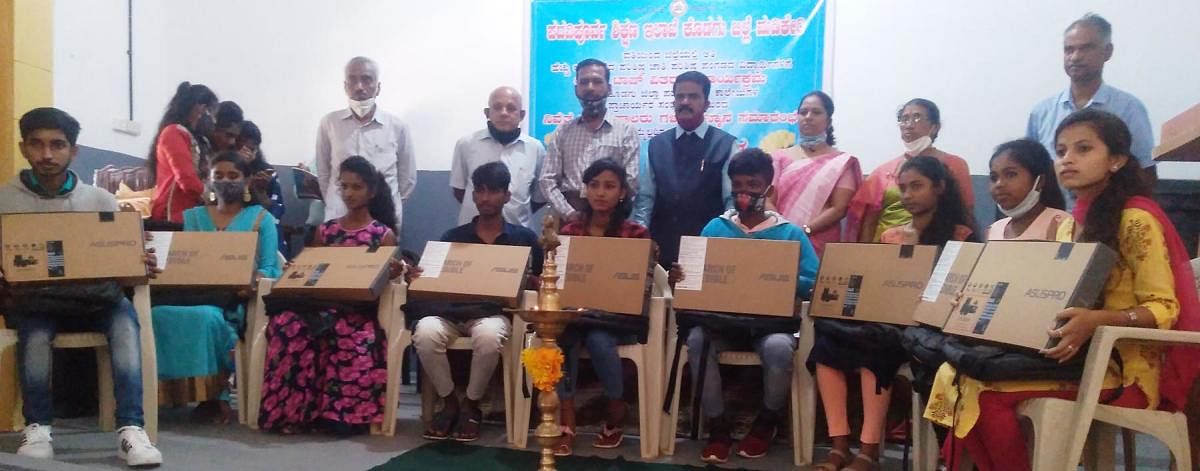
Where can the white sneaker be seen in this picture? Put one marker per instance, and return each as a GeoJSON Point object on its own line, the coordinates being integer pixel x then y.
{"type": "Point", "coordinates": [37, 442]}
{"type": "Point", "coordinates": [135, 448]}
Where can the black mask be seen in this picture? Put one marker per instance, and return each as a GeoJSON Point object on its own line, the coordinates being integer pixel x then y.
{"type": "Point", "coordinates": [505, 137]}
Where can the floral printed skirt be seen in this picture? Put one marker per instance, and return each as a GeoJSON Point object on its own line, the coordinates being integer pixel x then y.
{"type": "Point", "coordinates": [336, 373]}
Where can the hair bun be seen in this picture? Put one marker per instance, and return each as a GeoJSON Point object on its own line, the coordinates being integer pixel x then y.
{"type": "Point", "coordinates": [183, 86]}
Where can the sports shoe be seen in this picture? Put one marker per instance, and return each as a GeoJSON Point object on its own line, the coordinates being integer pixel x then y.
{"type": "Point", "coordinates": [719, 442]}
{"type": "Point", "coordinates": [37, 442]}
{"type": "Point", "coordinates": [756, 443]}
{"type": "Point", "coordinates": [135, 448]}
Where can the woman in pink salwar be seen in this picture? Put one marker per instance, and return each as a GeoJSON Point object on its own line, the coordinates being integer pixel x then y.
{"type": "Point", "coordinates": [815, 181]}
{"type": "Point", "coordinates": [876, 207]}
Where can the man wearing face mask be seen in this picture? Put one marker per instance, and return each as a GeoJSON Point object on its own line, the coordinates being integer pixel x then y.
{"type": "Point", "coordinates": [363, 129]}
{"type": "Point", "coordinates": [501, 141]}
{"type": "Point", "coordinates": [685, 184]}
{"type": "Point", "coordinates": [594, 135]}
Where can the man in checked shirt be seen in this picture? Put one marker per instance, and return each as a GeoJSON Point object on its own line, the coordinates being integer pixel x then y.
{"type": "Point", "coordinates": [594, 135]}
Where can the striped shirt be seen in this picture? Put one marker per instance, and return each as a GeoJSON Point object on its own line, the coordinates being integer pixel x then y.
{"type": "Point", "coordinates": [573, 147]}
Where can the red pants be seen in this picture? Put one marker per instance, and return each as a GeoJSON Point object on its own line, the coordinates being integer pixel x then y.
{"type": "Point", "coordinates": [997, 442]}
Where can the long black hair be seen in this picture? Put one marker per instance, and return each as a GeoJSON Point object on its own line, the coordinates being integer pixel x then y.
{"type": "Point", "coordinates": [624, 206]}
{"type": "Point", "coordinates": [827, 102]}
{"type": "Point", "coordinates": [250, 132]}
{"type": "Point", "coordinates": [1103, 220]}
{"type": "Point", "coordinates": [950, 212]}
{"type": "Point", "coordinates": [187, 96]}
{"type": "Point", "coordinates": [1032, 156]}
{"type": "Point", "coordinates": [381, 207]}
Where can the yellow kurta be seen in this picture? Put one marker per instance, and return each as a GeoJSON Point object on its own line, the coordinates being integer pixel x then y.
{"type": "Point", "coordinates": [1142, 277]}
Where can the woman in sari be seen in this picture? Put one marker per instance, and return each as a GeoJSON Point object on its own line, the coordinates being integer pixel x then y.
{"type": "Point", "coordinates": [876, 206]}
{"type": "Point", "coordinates": [815, 181]}
{"type": "Point", "coordinates": [194, 341]}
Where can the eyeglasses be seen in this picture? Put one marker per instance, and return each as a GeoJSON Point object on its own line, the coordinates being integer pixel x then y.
{"type": "Point", "coordinates": [910, 119]}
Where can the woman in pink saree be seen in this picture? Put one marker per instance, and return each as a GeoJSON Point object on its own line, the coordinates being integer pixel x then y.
{"type": "Point", "coordinates": [815, 181]}
{"type": "Point", "coordinates": [876, 206]}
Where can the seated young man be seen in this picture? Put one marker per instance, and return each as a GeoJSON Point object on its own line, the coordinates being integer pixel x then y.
{"type": "Point", "coordinates": [37, 314]}
{"type": "Point", "coordinates": [487, 326]}
{"type": "Point", "coordinates": [750, 173]}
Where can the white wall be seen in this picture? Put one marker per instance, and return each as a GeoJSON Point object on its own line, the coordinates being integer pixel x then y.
{"type": "Point", "coordinates": [987, 63]}
{"type": "Point", "coordinates": [984, 63]}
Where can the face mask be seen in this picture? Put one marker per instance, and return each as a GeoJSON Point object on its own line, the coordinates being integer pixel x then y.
{"type": "Point", "coordinates": [747, 202]}
{"type": "Point", "coordinates": [360, 108]}
{"type": "Point", "coordinates": [1031, 200]}
{"type": "Point", "coordinates": [917, 146]}
{"type": "Point", "coordinates": [504, 137]}
{"type": "Point", "coordinates": [229, 191]}
{"type": "Point", "coordinates": [811, 142]}
{"type": "Point", "coordinates": [593, 108]}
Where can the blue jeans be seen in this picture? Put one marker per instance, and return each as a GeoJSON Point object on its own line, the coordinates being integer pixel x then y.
{"type": "Point", "coordinates": [602, 345]}
{"type": "Point", "coordinates": [775, 351]}
{"type": "Point", "coordinates": [35, 334]}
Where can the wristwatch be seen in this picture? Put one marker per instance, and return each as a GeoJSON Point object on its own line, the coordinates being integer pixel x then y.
{"type": "Point", "coordinates": [807, 230]}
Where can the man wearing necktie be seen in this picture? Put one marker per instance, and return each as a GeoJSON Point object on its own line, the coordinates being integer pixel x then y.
{"type": "Point", "coordinates": [684, 184]}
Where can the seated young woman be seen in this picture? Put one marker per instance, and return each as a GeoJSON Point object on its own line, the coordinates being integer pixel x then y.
{"type": "Point", "coordinates": [1150, 287]}
{"type": "Point", "coordinates": [326, 362]}
{"type": "Point", "coordinates": [195, 341]}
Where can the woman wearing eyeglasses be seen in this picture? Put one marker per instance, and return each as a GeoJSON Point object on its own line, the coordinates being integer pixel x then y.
{"type": "Point", "coordinates": [876, 206]}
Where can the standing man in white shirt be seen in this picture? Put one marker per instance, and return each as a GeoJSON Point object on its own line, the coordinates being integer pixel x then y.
{"type": "Point", "coordinates": [364, 129]}
{"type": "Point", "coordinates": [501, 141]}
{"type": "Point", "coordinates": [594, 135]}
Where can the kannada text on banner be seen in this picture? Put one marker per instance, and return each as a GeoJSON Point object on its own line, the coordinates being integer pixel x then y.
{"type": "Point", "coordinates": [761, 55]}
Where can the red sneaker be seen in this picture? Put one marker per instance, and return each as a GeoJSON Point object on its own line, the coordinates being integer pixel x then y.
{"type": "Point", "coordinates": [758, 441]}
{"type": "Point", "coordinates": [717, 450]}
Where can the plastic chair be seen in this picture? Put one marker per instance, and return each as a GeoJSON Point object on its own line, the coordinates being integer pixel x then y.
{"type": "Point", "coordinates": [108, 403]}
{"type": "Point", "coordinates": [925, 449]}
{"type": "Point", "coordinates": [1054, 419]}
{"type": "Point", "coordinates": [390, 320]}
{"type": "Point", "coordinates": [648, 358]}
{"type": "Point", "coordinates": [256, 325]}
{"type": "Point", "coordinates": [803, 402]}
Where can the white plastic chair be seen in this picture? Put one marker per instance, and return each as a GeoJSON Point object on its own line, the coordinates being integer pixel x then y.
{"type": "Point", "coordinates": [1054, 419]}
{"type": "Point", "coordinates": [390, 320]}
{"type": "Point", "coordinates": [509, 353]}
{"type": "Point", "coordinates": [247, 386]}
{"type": "Point", "coordinates": [803, 397]}
{"type": "Point", "coordinates": [925, 449]}
{"type": "Point", "coordinates": [107, 409]}
{"type": "Point", "coordinates": [647, 357]}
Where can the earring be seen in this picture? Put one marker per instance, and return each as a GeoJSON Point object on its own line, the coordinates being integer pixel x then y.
{"type": "Point", "coordinates": [212, 197]}
{"type": "Point", "coordinates": [246, 194]}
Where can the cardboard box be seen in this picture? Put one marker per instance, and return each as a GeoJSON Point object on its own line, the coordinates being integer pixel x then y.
{"type": "Point", "coordinates": [205, 259]}
{"type": "Point", "coordinates": [604, 273]}
{"type": "Point", "coordinates": [1018, 287]}
{"type": "Point", "coordinates": [872, 282]}
{"type": "Point", "coordinates": [949, 276]}
{"type": "Point", "coordinates": [458, 271]}
{"type": "Point", "coordinates": [740, 276]}
{"type": "Point", "coordinates": [39, 248]}
{"type": "Point", "coordinates": [337, 273]}
{"type": "Point", "coordinates": [1180, 137]}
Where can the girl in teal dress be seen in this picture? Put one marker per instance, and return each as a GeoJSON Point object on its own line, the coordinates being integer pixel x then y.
{"type": "Point", "coordinates": [195, 341]}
